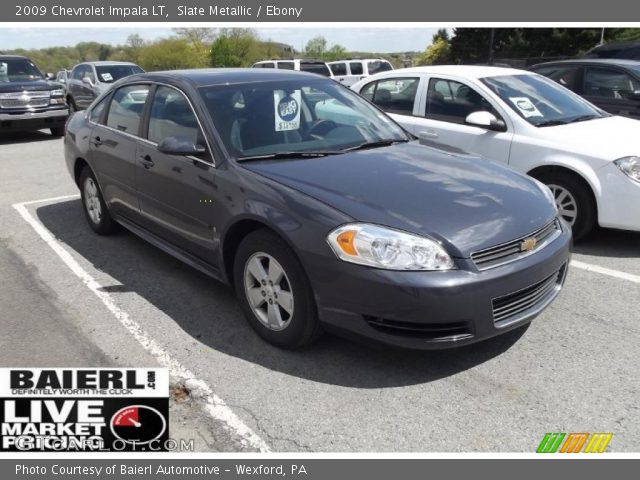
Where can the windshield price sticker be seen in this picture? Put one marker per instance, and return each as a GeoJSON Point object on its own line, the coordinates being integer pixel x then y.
{"type": "Point", "coordinates": [107, 77]}
{"type": "Point", "coordinates": [287, 110]}
{"type": "Point", "coordinates": [84, 409]}
{"type": "Point", "coordinates": [526, 107]}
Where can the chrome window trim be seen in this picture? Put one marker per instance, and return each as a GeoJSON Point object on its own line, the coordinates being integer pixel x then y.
{"type": "Point", "coordinates": [145, 140]}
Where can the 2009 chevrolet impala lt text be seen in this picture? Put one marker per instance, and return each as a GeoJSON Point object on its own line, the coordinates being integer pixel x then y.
{"type": "Point", "coordinates": [321, 211]}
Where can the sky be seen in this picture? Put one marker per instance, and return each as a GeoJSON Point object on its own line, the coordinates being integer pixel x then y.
{"type": "Point", "coordinates": [371, 39]}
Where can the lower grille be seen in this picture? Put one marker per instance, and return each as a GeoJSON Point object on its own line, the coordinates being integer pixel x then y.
{"type": "Point", "coordinates": [509, 306]}
{"type": "Point", "coordinates": [432, 331]}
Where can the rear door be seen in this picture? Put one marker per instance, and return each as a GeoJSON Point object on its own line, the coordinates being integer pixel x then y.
{"type": "Point", "coordinates": [613, 90]}
{"type": "Point", "coordinates": [114, 138]}
{"type": "Point", "coordinates": [176, 192]}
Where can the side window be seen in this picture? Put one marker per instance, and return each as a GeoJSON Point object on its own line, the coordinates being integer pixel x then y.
{"type": "Point", "coordinates": [125, 110]}
{"type": "Point", "coordinates": [96, 112]}
{"type": "Point", "coordinates": [77, 73]}
{"type": "Point", "coordinates": [451, 101]}
{"type": "Point", "coordinates": [171, 116]}
{"type": "Point", "coordinates": [286, 65]}
{"type": "Point", "coordinates": [356, 68]}
{"type": "Point", "coordinates": [378, 66]}
{"type": "Point", "coordinates": [396, 95]}
{"type": "Point", "coordinates": [567, 76]}
{"type": "Point", "coordinates": [338, 68]}
{"type": "Point", "coordinates": [268, 65]}
{"type": "Point", "coordinates": [368, 90]}
{"type": "Point", "coordinates": [608, 83]}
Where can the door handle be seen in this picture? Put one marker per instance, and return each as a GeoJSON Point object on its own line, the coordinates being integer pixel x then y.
{"type": "Point", "coordinates": [146, 161]}
{"type": "Point", "coordinates": [427, 134]}
{"type": "Point", "coordinates": [96, 141]}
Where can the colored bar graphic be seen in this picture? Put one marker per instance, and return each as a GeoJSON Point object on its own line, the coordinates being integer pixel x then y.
{"type": "Point", "coordinates": [574, 442]}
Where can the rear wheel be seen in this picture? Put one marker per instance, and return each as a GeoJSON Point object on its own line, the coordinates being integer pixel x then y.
{"type": "Point", "coordinates": [95, 209]}
{"type": "Point", "coordinates": [274, 292]}
{"type": "Point", "coordinates": [574, 201]}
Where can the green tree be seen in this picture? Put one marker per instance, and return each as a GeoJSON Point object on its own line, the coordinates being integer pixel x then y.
{"type": "Point", "coordinates": [438, 53]}
{"type": "Point", "coordinates": [316, 47]}
{"type": "Point", "coordinates": [168, 54]}
{"type": "Point", "coordinates": [336, 52]}
{"type": "Point", "coordinates": [235, 47]}
{"type": "Point", "coordinates": [200, 39]}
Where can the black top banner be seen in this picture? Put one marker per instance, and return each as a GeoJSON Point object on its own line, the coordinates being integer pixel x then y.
{"type": "Point", "coordinates": [317, 11]}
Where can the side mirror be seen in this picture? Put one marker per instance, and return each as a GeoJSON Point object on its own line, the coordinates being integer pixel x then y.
{"type": "Point", "coordinates": [634, 95]}
{"type": "Point", "coordinates": [485, 120]}
{"type": "Point", "coordinates": [180, 146]}
{"type": "Point", "coordinates": [50, 76]}
{"type": "Point", "coordinates": [88, 81]}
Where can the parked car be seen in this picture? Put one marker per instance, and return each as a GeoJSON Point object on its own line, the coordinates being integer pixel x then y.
{"type": "Point", "coordinates": [320, 222]}
{"type": "Point", "coordinates": [350, 71]}
{"type": "Point", "coordinates": [63, 77]}
{"type": "Point", "coordinates": [589, 159]}
{"type": "Point", "coordinates": [299, 64]}
{"type": "Point", "coordinates": [88, 80]}
{"type": "Point", "coordinates": [28, 99]}
{"type": "Point", "coordinates": [613, 85]}
{"type": "Point", "coordinates": [619, 50]}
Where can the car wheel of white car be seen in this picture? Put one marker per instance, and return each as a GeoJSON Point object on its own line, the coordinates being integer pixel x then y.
{"type": "Point", "coordinates": [574, 201]}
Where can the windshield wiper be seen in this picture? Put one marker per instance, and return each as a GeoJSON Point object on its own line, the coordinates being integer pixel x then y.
{"type": "Point", "coordinates": [551, 123]}
{"type": "Point", "coordinates": [376, 144]}
{"type": "Point", "coordinates": [292, 155]}
{"type": "Point", "coordinates": [583, 118]}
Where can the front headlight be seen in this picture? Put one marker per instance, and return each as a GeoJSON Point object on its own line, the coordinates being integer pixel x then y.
{"type": "Point", "coordinates": [57, 93]}
{"type": "Point", "coordinates": [630, 166]}
{"type": "Point", "coordinates": [382, 247]}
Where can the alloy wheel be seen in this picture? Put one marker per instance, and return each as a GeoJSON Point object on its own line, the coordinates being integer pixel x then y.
{"type": "Point", "coordinates": [92, 201]}
{"type": "Point", "coordinates": [566, 203]}
{"type": "Point", "coordinates": [268, 291]}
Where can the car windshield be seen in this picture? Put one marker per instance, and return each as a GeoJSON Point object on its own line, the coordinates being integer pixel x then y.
{"type": "Point", "coordinates": [540, 101]}
{"type": "Point", "coordinates": [377, 66]}
{"type": "Point", "coordinates": [111, 73]}
{"type": "Point", "coordinates": [303, 116]}
{"type": "Point", "coordinates": [18, 70]}
{"type": "Point", "coordinates": [319, 68]}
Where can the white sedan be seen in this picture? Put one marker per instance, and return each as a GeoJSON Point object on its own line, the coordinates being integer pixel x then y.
{"type": "Point", "coordinates": [588, 158]}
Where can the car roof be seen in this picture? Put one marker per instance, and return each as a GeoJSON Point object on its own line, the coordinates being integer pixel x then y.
{"type": "Point", "coordinates": [360, 60]}
{"type": "Point", "coordinates": [292, 60]}
{"type": "Point", "coordinates": [469, 71]}
{"type": "Point", "coordinates": [106, 62]}
{"type": "Point", "coordinates": [621, 62]}
{"type": "Point", "coordinates": [15, 56]}
{"type": "Point", "coordinates": [217, 76]}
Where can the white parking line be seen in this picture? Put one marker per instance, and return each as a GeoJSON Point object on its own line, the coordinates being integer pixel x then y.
{"type": "Point", "coordinates": [606, 271]}
{"type": "Point", "coordinates": [215, 406]}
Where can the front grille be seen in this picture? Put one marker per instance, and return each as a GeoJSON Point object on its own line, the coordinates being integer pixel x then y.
{"type": "Point", "coordinates": [430, 331]}
{"type": "Point", "coordinates": [510, 251]}
{"type": "Point", "coordinates": [509, 306]}
{"type": "Point", "coordinates": [17, 100]}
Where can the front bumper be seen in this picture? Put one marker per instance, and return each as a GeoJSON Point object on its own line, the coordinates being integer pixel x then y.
{"type": "Point", "coordinates": [430, 310]}
{"type": "Point", "coordinates": [33, 120]}
{"type": "Point", "coordinates": [619, 202]}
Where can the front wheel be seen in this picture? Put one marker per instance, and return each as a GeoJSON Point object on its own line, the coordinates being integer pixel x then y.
{"type": "Point", "coordinates": [574, 201]}
{"type": "Point", "coordinates": [274, 292]}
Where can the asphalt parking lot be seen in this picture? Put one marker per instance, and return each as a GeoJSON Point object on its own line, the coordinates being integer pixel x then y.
{"type": "Point", "coordinates": [71, 298]}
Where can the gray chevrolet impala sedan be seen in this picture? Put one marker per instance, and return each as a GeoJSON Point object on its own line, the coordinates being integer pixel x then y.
{"type": "Point", "coordinates": [321, 211]}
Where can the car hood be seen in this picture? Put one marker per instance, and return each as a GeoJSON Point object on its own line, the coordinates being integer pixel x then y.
{"type": "Point", "coordinates": [607, 138]}
{"type": "Point", "coordinates": [467, 202]}
{"type": "Point", "coordinates": [29, 86]}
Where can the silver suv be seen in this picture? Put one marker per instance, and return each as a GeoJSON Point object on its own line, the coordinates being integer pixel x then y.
{"type": "Point", "coordinates": [88, 80]}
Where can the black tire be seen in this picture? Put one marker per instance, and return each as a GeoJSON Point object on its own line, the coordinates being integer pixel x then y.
{"type": "Point", "coordinates": [303, 327]}
{"type": "Point", "coordinates": [106, 225]}
{"type": "Point", "coordinates": [57, 131]}
{"type": "Point", "coordinates": [586, 214]}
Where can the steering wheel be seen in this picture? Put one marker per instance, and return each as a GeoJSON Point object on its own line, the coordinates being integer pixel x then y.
{"type": "Point", "coordinates": [320, 128]}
